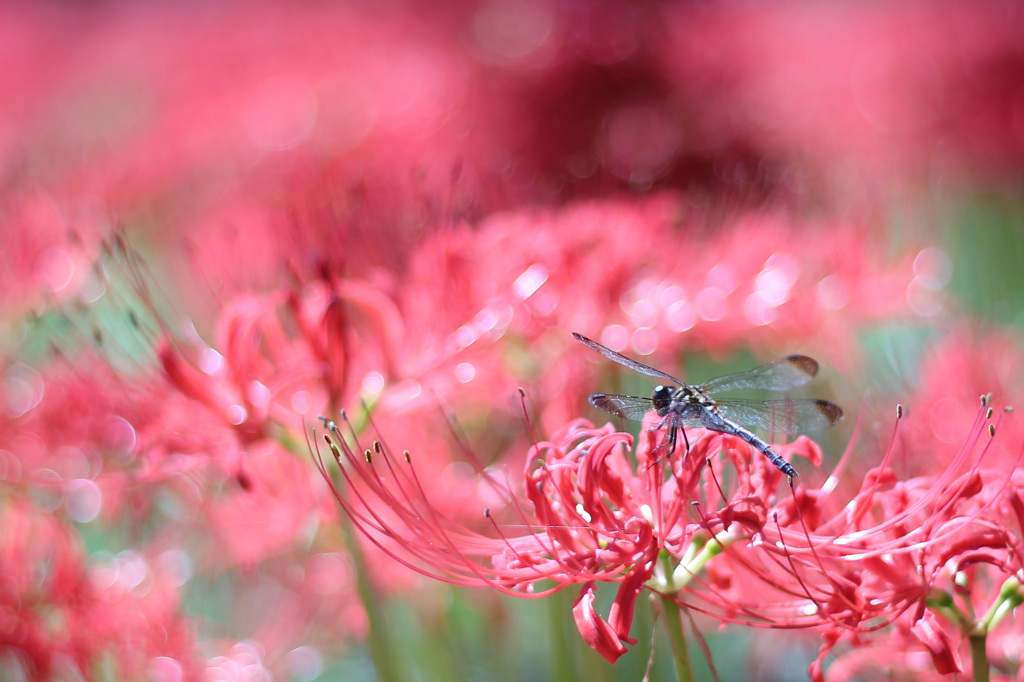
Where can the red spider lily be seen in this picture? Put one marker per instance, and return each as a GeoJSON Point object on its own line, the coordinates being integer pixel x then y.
{"type": "Point", "coordinates": [903, 560]}
{"type": "Point", "coordinates": [893, 559]}
{"type": "Point", "coordinates": [336, 171]}
{"type": "Point", "coordinates": [592, 516]}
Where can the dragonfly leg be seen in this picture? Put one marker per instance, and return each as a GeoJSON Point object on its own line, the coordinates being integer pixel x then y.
{"type": "Point", "coordinates": [671, 438]}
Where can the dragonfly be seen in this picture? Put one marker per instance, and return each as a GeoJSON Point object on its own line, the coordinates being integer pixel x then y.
{"type": "Point", "coordinates": [682, 405]}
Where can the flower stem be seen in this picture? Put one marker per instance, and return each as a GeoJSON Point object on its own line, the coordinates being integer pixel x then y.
{"type": "Point", "coordinates": [561, 666]}
{"type": "Point", "coordinates": [674, 618]}
{"type": "Point", "coordinates": [1010, 597]}
{"type": "Point", "coordinates": [382, 649]}
{"type": "Point", "coordinates": [979, 658]}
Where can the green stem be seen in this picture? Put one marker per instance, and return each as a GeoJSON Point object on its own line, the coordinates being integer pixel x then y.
{"type": "Point", "coordinates": [1010, 597]}
{"type": "Point", "coordinates": [942, 603]}
{"type": "Point", "coordinates": [674, 618]}
{"type": "Point", "coordinates": [382, 649]}
{"type": "Point", "coordinates": [979, 658]}
{"type": "Point", "coordinates": [561, 664]}
{"type": "Point", "coordinates": [694, 563]}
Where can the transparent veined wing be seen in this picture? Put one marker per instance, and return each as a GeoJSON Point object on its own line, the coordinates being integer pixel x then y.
{"type": "Point", "coordinates": [623, 360]}
{"type": "Point", "coordinates": [625, 406]}
{"type": "Point", "coordinates": [783, 374]}
{"type": "Point", "coordinates": [635, 407]}
{"type": "Point", "coordinates": [780, 416]}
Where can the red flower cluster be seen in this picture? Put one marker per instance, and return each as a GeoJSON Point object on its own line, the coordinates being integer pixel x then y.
{"type": "Point", "coordinates": [219, 224]}
{"type": "Point", "coordinates": [908, 561]}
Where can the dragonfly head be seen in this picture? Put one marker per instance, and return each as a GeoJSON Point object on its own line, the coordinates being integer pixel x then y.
{"type": "Point", "coordinates": [662, 398]}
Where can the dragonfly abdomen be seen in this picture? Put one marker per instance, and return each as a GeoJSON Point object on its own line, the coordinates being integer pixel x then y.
{"type": "Point", "coordinates": [719, 423]}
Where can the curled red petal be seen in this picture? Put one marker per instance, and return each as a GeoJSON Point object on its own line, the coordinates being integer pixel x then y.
{"type": "Point", "coordinates": [944, 655]}
{"type": "Point", "coordinates": [816, 671]}
{"type": "Point", "coordinates": [598, 634]}
{"type": "Point", "coordinates": [620, 617]}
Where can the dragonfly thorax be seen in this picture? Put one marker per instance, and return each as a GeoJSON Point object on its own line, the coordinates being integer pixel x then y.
{"type": "Point", "coordinates": [683, 400]}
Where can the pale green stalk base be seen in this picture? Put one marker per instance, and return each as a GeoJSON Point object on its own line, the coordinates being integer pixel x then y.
{"type": "Point", "coordinates": [979, 659]}
{"type": "Point", "coordinates": [674, 619]}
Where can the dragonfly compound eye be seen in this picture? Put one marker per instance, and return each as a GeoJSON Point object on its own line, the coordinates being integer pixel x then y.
{"type": "Point", "coordinates": [662, 398]}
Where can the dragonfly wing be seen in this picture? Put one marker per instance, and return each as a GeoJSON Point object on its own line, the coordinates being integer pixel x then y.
{"type": "Point", "coordinates": [781, 416]}
{"type": "Point", "coordinates": [690, 422]}
{"type": "Point", "coordinates": [636, 408]}
{"type": "Point", "coordinates": [625, 406]}
{"type": "Point", "coordinates": [623, 360]}
{"type": "Point", "coordinates": [781, 375]}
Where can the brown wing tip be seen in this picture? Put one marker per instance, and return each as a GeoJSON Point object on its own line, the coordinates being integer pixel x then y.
{"type": "Point", "coordinates": [831, 411]}
{"type": "Point", "coordinates": [806, 364]}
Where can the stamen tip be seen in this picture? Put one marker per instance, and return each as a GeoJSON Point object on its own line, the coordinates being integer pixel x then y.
{"type": "Point", "coordinates": [368, 456]}
{"type": "Point", "coordinates": [899, 411]}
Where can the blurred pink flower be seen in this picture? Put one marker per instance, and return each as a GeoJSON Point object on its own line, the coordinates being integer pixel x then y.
{"type": "Point", "coordinates": [278, 355]}
{"type": "Point", "coordinates": [60, 617]}
{"type": "Point", "coordinates": [979, 362]}
{"type": "Point", "coordinates": [97, 443]}
{"type": "Point", "coordinates": [643, 277]}
{"type": "Point", "coordinates": [50, 248]}
{"type": "Point", "coordinates": [274, 512]}
{"type": "Point", "coordinates": [649, 271]}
